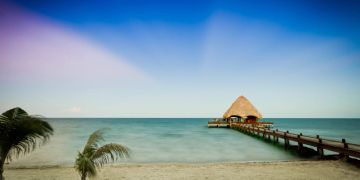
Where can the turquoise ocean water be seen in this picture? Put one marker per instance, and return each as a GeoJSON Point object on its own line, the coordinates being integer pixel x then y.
{"type": "Point", "coordinates": [163, 140]}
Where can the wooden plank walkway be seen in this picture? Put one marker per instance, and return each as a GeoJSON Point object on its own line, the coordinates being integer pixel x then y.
{"type": "Point", "coordinates": [342, 147]}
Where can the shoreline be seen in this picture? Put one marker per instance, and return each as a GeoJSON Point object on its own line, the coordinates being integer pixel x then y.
{"type": "Point", "coordinates": [49, 166]}
{"type": "Point", "coordinates": [356, 162]}
{"type": "Point", "coordinates": [294, 169]}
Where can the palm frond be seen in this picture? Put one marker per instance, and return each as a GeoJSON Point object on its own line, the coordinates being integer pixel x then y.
{"type": "Point", "coordinates": [84, 165]}
{"type": "Point", "coordinates": [3, 124]}
{"type": "Point", "coordinates": [93, 142]}
{"type": "Point", "coordinates": [93, 156]}
{"type": "Point", "coordinates": [21, 133]}
{"type": "Point", "coordinates": [14, 112]}
{"type": "Point", "coordinates": [109, 153]}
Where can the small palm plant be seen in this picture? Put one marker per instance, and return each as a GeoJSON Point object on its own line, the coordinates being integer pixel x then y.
{"type": "Point", "coordinates": [20, 133]}
{"type": "Point", "coordinates": [93, 156]}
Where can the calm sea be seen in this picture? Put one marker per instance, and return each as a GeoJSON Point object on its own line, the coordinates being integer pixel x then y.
{"type": "Point", "coordinates": [180, 140]}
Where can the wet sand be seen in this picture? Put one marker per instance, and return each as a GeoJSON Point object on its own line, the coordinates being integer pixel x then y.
{"type": "Point", "coordinates": [328, 169]}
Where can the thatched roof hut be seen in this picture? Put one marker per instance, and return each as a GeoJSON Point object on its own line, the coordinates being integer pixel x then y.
{"type": "Point", "coordinates": [242, 108]}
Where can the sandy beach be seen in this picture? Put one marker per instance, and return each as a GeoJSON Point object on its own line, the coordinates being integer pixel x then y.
{"type": "Point", "coordinates": [246, 170]}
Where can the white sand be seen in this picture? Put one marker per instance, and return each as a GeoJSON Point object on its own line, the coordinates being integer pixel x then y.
{"type": "Point", "coordinates": [250, 170]}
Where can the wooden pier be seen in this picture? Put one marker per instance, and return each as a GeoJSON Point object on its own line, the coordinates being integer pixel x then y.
{"type": "Point", "coordinates": [344, 148]}
{"type": "Point", "coordinates": [218, 124]}
{"type": "Point", "coordinates": [226, 124]}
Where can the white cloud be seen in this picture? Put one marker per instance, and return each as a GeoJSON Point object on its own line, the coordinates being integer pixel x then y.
{"type": "Point", "coordinates": [75, 109]}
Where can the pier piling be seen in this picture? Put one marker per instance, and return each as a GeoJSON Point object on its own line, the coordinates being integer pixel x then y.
{"type": "Point", "coordinates": [319, 148]}
{"type": "Point", "coordinates": [345, 147]}
{"type": "Point", "coordinates": [300, 144]}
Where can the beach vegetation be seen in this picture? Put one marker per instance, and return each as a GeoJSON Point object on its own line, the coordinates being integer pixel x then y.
{"type": "Point", "coordinates": [20, 133]}
{"type": "Point", "coordinates": [95, 156]}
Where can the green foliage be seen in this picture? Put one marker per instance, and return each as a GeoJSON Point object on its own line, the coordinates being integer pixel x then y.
{"type": "Point", "coordinates": [21, 133]}
{"type": "Point", "coordinates": [93, 156]}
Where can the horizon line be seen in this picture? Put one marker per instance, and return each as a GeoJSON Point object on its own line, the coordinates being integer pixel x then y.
{"type": "Point", "coordinates": [199, 117]}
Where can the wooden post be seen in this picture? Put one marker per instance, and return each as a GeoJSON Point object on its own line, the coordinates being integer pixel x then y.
{"type": "Point", "coordinates": [273, 136]}
{"type": "Point", "coordinates": [258, 131]}
{"type": "Point", "coordinates": [300, 144]}
{"type": "Point", "coordinates": [319, 148]}
{"type": "Point", "coordinates": [346, 146]}
{"type": "Point", "coordinates": [286, 140]}
{"type": "Point", "coordinates": [264, 133]}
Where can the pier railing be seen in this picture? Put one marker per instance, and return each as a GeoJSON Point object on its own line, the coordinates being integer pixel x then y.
{"type": "Point", "coordinates": [342, 147]}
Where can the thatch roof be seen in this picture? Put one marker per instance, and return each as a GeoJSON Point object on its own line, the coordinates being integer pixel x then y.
{"type": "Point", "coordinates": [243, 108]}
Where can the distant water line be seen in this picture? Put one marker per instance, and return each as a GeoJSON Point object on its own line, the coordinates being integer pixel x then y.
{"type": "Point", "coordinates": [180, 139]}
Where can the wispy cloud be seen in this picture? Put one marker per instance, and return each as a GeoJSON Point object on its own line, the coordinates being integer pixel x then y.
{"type": "Point", "coordinates": [75, 109]}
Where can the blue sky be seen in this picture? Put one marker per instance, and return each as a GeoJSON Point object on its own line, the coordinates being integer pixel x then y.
{"type": "Point", "coordinates": [180, 58]}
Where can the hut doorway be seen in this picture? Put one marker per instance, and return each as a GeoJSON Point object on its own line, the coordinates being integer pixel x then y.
{"type": "Point", "coordinates": [251, 119]}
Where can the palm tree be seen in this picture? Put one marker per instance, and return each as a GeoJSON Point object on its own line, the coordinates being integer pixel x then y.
{"type": "Point", "coordinates": [93, 156]}
{"type": "Point", "coordinates": [20, 133]}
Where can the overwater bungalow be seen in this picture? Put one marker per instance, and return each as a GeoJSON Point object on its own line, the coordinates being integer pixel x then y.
{"type": "Point", "coordinates": [241, 111]}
